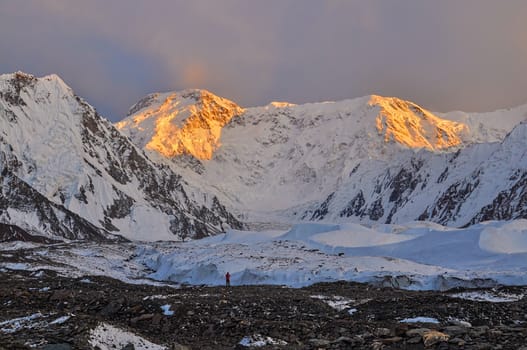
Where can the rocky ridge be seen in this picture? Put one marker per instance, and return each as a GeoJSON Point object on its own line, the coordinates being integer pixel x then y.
{"type": "Point", "coordinates": [80, 177]}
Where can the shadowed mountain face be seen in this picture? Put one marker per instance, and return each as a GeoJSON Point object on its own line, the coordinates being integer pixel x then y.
{"type": "Point", "coordinates": [63, 163]}
{"type": "Point", "coordinates": [368, 159]}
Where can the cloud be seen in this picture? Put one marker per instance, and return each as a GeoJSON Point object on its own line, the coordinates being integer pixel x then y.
{"type": "Point", "coordinates": [445, 55]}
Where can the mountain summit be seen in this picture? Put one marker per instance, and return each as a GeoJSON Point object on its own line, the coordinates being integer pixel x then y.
{"type": "Point", "coordinates": [406, 123]}
{"type": "Point", "coordinates": [175, 123]}
{"type": "Point", "coordinates": [280, 155]}
{"type": "Point", "coordinates": [68, 167]}
{"type": "Point", "coordinates": [367, 159]}
{"type": "Point", "coordinates": [191, 122]}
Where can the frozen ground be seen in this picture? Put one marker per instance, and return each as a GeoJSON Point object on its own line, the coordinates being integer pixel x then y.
{"type": "Point", "coordinates": [418, 256]}
{"type": "Point", "coordinates": [414, 256]}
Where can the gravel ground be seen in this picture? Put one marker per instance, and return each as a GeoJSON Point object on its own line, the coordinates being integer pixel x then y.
{"type": "Point", "coordinates": [338, 315]}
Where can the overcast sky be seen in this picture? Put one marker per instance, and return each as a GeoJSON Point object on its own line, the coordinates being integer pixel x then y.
{"type": "Point", "coordinates": [445, 55]}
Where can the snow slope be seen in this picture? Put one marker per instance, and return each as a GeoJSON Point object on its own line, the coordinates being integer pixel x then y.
{"type": "Point", "coordinates": [108, 337]}
{"type": "Point", "coordinates": [418, 255]}
{"type": "Point", "coordinates": [414, 256]}
{"type": "Point", "coordinates": [489, 126]}
{"type": "Point", "coordinates": [479, 182]}
{"type": "Point", "coordinates": [59, 146]}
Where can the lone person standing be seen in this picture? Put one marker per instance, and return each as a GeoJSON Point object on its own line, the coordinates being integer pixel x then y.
{"type": "Point", "coordinates": [228, 279]}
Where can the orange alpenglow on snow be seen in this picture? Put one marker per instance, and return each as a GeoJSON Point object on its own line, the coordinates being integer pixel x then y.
{"type": "Point", "coordinates": [189, 122]}
{"type": "Point", "coordinates": [408, 124]}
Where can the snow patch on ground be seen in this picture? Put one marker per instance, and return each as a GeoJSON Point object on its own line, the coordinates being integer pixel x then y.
{"type": "Point", "coordinates": [258, 340]}
{"type": "Point", "coordinates": [79, 260]}
{"type": "Point", "coordinates": [489, 296]}
{"type": "Point", "coordinates": [166, 310]}
{"type": "Point", "coordinates": [16, 324]}
{"type": "Point", "coordinates": [16, 266]}
{"type": "Point", "coordinates": [60, 320]}
{"type": "Point", "coordinates": [16, 245]}
{"type": "Point", "coordinates": [158, 296]}
{"type": "Point", "coordinates": [420, 319]}
{"type": "Point", "coordinates": [336, 301]}
{"type": "Point", "coordinates": [34, 321]}
{"type": "Point", "coordinates": [108, 337]}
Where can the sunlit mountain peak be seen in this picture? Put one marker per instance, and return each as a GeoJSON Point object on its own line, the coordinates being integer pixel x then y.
{"type": "Point", "coordinates": [408, 124]}
{"type": "Point", "coordinates": [185, 122]}
{"type": "Point", "coordinates": [280, 104]}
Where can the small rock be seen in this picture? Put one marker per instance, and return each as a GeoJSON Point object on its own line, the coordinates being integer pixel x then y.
{"type": "Point", "coordinates": [156, 320]}
{"type": "Point", "coordinates": [111, 308]}
{"type": "Point", "coordinates": [414, 340]}
{"type": "Point", "coordinates": [342, 330]}
{"type": "Point", "coordinates": [391, 340]}
{"type": "Point", "coordinates": [136, 308]}
{"type": "Point", "coordinates": [60, 295]}
{"type": "Point", "coordinates": [433, 337]}
{"type": "Point", "coordinates": [460, 323]}
{"type": "Point", "coordinates": [177, 346]}
{"type": "Point", "coordinates": [478, 331]}
{"type": "Point", "coordinates": [377, 345]}
{"type": "Point", "coordinates": [382, 332]}
{"type": "Point", "coordinates": [128, 346]}
{"type": "Point", "coordinates": [494, 333]}
{"type": "Point", "coordinates": [343, 340]}
{"type": "Point", "coordinates": [400, 330]}
{"type": "Point", "coordinates": [141, 318]}
{"type": "Point", "coordinates": [56, 347]}
{"type": "Point", "coordinates": [416, 332]}
{"type": "Point", "coordinates": [457, 341]}
{"type": "Point", "coordinates": [455, 330]}
{"type": "Point", "coordinates": [442, 346]}
{"type": "Point", "coordinates": [245, 323]}
{"type": "Point", "coordinates": [320, 342]}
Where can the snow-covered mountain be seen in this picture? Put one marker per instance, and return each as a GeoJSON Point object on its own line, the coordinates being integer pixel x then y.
{"type": "Point", "coordinates": [67, 172]}
{"type": "Point", "coordinates": [193, 158]}
{"type": "Point", "coordinates": [189, 122]}
{"type": "Point", "coordinates": [477, 183]}
{"type": "Point", "coordinates": [367, 159]}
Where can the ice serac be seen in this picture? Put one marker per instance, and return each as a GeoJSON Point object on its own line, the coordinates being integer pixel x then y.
{"type": "Point", "coordinates": [57, 148]}
{"type": "Point", "coordinates": [186, 122]}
